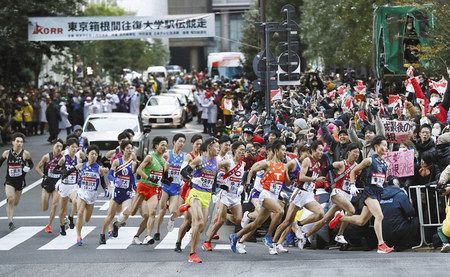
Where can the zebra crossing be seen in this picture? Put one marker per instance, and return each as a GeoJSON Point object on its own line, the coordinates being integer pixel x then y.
{"type": "Point", "coordinates": [21, 235]}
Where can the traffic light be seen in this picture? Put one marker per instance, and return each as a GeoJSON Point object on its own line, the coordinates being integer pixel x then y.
{"type": "Point", "coordinates": [288, 72]}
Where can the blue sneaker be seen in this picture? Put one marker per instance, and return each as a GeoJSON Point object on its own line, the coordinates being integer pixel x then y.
{"type": "Point", "coordinates": [233, 242]}
{"type": "Point", "coordinates": [268, 241]}
{"type": "Point", "coordinates": [289, 239]}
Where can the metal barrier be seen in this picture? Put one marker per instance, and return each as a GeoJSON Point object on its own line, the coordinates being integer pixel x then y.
{"type": "Point", "coordinates": [428, 190]}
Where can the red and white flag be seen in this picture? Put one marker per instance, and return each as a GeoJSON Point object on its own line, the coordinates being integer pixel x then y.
{"type": "Point", "coordinates": [440, 86]}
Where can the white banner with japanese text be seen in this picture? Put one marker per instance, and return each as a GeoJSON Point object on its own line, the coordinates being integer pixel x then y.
{"type": "Point", "coordinates": [120, 27]}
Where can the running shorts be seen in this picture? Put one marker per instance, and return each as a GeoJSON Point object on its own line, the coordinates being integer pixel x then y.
{"type": "Point", "coordinates": [121, 195]}
{"type": "Point", "coordinates": [66, 190]}
{"type": "Point", "coordinates": [267, 194]}
{"type": "Point", "coordinates": [172, 189]}
{"type": "Point", "coordinates": [87, 195]}
{"type": "Point", "coordinates": [342, 193]}
{"type": "Point", "coordinates": [203, 196]}
{"type": "Point", "coordinates": [302, 198]}
{"type": "Point", "coordinates": [148, 191]}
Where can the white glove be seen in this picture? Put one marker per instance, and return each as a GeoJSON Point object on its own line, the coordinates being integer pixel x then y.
{"type": "Point", "coordinates": [26, 169]}
{"type": "Point", "coordinates": [240, 190]}
{"type": "Point", "coordinates": [215, 198]}
{"type": "Point", "coordinates": [353, 190]}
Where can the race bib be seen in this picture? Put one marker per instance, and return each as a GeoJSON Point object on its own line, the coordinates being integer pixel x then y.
{"type": "Point", "coordinates": [309, 186]}
{"type": "Point", "coordinates": [378, 179]}
{"type": "Point", "coordinates": [89, 183]}
{"type": "Point", "coordinates": [234, 187]}
{"type": "Point", "coordinates": [71, 179]}
{"type": "Point", "coordinates": [15, 170]}
{"type": "Point", "coordinates": [275, 188]}
{"type": "Point", "coordinates": [174, 172]}
{"type": "Point", "coordinates": [53, 175]}
{"type": "Point", "coordinates": [206, 183]}
{"type": "Point", "coordinates": [122, 182]}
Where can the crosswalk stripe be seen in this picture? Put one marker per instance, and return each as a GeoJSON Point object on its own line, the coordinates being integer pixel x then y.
{"type": "Point", "coordinates": [67, 241]}
{"type": "Point", "coordinates": [171, 238]}
{"type": "Point", "coordinates": [222, 247]}
{"type": "Point", "coordinates": [122, 241]}
{"type": "Point", "coordinates": [18, 236]}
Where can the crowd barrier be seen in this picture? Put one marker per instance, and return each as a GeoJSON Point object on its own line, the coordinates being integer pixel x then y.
{"type": "Point", "coordinates": [428, 208]}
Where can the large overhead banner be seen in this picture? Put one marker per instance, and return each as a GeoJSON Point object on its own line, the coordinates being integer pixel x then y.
{"type": "Point", "coordinates": [120, 27]}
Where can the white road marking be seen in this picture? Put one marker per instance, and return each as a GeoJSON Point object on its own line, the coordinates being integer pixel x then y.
{"type": "Point", "coordinates": [124, 239]}
{"type": "Point", "coordinates": [27, 188]}
{"type": "Point", "coordinates": [171, 238]}
{"type": "Point", "coordinates": [222, 247]}
{"type": "Point", "coordinates": [104, 207]}
{"type": "Point", "coordinates": [18, 236]}
{"type": "Point", "coordinates": [67, 241]}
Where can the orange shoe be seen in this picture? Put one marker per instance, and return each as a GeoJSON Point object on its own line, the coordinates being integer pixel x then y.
{"type": "Point", "coordinates": [207, 246]}
{"type": "Point", "coordinates": [335, 221]}
{"type": "Point", "coordinates": [193, 258]}
{"type": "Point", "coordinates": [48, 229]}
{"type": "Point", "coordinates": [384, 249]}
{"type": "Point", "coordinates": [183, 208]}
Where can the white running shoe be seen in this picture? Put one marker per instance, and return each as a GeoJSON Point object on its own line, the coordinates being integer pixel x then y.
{"type": "Point", "coordinates": [273, 251]}
{"type": "Point", "coordinates": [301, 241]}
{"type": "Point", "coordinates": [170, 225]}
{"type": "Point", "coordinates": [340, 239]}
{"type": "Point", "coordinates": [280, 248]}
{"type": "Point", "coordinates": [445, 248]}
{"type": "Point", "coordinates": [136, 241]}
{"type": "Point", "coordinates": [241, 248]}
{"type": "Point", "coordinates": [148, 240]}
{"type": "Point", "coordinates": [245, 219]}
{"type": "Point", "coordinates": [298, 230]}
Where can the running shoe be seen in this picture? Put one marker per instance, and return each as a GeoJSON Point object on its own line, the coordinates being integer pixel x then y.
{"type": "Point", "coordinates": [116, 225]}
{"type": "Point", "coordinates": [148, 240]}
{"type": "Point", "coordinates": [194, 258]}
{"type": "Point", "coordinates": [63, 230]}
{"type": "Point", "coordinates": [335, 221]}
{"type": "Point", "coordinates": [268, 241]}
{"type": "Point", "coordinates": [48, 229]}
{"type": "Point", "coordinates": [241, 248]}
{"type": "Point", "coordinates": [384, 249]}
{"type": "Point", "coordinates": [273, 251]}
{"type": "Point", "coordinates": [110, 234]}
{"type": "Point", "coordinates": [11, 226]}
{"type": "Point", "coordinates": [71, 224]}
{"type": "Point", "coordinates": [445, 248]}
{"type": "Point", "coordinates": [170, 225]}
{"type": "Point", "coordinates": [102, 239]}
{"type": "Point", "coordinates": [280, 248]}
{"type": "Point", "coordinates": [298, 230]}
{"type": "Point", "coordinates": [216, 237]}
{"type": "Point", "coordinates": [80, 242]}
{"type": "Point", "coordinates": [136, 241]}
{"type": "Point", "coordinates": [340, 239]}
{"type": "Point", "coordinates": [157, 236]}
{"type": "Point", "coordinates": [302, 241]}
{"type": "Point", "coordinates": [183, 208]}
{"type": "Point", "coordinates": [178, 247]}
{"type": "Point", "coordinates": [245, 220]}
{"type": "Point", "coordinates": [207, 246]}
{"type": "Point", "coordinates": [233, 242]}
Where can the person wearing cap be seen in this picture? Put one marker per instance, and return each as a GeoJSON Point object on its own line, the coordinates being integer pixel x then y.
{"type": "Point", "coordinates": [250, 136]}
{"type": "Point", "coordinates": [64, 123]}
{"type": "Point", "coordinates": [300, 127]}
{"type": "Point", "coordinates": [106, 103]}
{"type": "Point", "coordinates": [87, 107]}
{"type": "Point", "coordinates": [338, 147]}
{"type": "Point", "coordinates": [83, 142]}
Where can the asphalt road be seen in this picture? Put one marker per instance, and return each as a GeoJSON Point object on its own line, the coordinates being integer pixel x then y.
{"type": "Point", "coordinates": [29, 251]}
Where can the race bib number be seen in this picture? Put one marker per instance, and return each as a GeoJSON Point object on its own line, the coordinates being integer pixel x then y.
{"type": "Point", "coordinates": [89, 183]}
{"type": "Point", "coordinates": [206, 183]}
{"type": "Point", "coordinates": [346, 185]}
{"type": "Point", "coordinates": [15, 170]}
{"type": "Point", "coordinates": [275, 188]}
{"type": "Point", "coordinates": [174, 172]}
{"type": "Point", "coordinates": [53, 175]}
{"type": "Point", "coordinates": [122, 182]}
{"type": "Point", "coordinates": [309, 186]}
{"type": "Point", "coordinates": [71, 179]}
{"type": "Point", "coordinates": [378, 179]}
{"type": "Point", "coordinates": [234, 187]}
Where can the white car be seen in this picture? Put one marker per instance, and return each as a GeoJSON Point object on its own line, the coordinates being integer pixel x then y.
{"type": "Point", "coordinates": [185, 91]}
{"type": "Point", "coordinates": [102, 130]}
{"type": "Point", "coordinates": [164, 110]}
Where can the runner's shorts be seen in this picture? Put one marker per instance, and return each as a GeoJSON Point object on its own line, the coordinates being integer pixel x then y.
{"type": "Point", "coordinates": [148, 191]}
{"type": "Point", "coordinates": [255, 194]}
{"type": "Point", "coordinates": [172, 189]}
{"type": "Point", "coordinates": [16, 186]}
{"type": "Point", "coordinates": [121, 195]}
{"type": "Point", "coordinates": [65, 190]}
{"type": "Point", "coordinates": [49, 185]}
{"type": "Point", "coordinates": [302, 198]}
{"type": "Point", "coordinates": [203, 196]}
{"type": "Point", "coordinates": [230, 200]}
{"type": "Point", "coordinates": [342, 193]}
{"type": "Point", "coordinates": [267, 194]}
{"type": "Point", "coordinates": [87, 195]}
{"type": "Point", "coordinates": [184, 191]}
{"type": "Point", "coordinates": [372, 191]}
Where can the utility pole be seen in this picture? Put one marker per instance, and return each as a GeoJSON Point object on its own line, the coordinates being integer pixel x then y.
{"type": "Point", "coordinates": [262, 18]}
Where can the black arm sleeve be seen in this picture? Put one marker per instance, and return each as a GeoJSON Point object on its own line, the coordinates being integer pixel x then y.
{"type": "Point", "coordinates": [30, 163]}
{"type": "Point", "coordinates": [186, 172]}
{"type": "Point", "coordinates": [65, 173]}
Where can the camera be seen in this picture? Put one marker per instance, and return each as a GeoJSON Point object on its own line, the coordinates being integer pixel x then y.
{"type": "Point", "coordinates": [440, 188]}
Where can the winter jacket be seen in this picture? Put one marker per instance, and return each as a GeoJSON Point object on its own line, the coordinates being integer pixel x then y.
{"type": "Point", "coordinates": [397, 209]}
{"type": "Point", "coordinates": [445, 176]}
{"type": "Point", "coordinates": [422, 147]}
{"type": "Point", "coordinates": [365, 146]}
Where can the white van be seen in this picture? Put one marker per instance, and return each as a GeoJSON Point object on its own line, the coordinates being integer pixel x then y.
{"type": "Point", "coordinates": [159, 72]}
{"type": "Point", "coordinates": [225, 64]}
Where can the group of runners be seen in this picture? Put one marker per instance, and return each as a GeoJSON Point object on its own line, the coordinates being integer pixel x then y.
{"type": "Point", "coordinates": [170, 180]}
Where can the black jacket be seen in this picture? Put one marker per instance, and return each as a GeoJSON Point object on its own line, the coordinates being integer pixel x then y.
{"type": "Point", "coordinates": [422, 147]}
{"type": "Point", "coordinates": [397, 210]}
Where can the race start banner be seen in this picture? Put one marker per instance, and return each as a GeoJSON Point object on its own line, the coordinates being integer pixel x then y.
{"type": "Point", "coordinates": [397, 131]}
{"type": "Point", "coordinates": [401, 163]}
{"type": "Point", "coordinates": [120, 27]}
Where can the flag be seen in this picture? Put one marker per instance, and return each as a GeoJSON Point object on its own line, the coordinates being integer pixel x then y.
{"type": "Point", "coordinates": [394, 100]}
{"type": "Point", "coordinates": [275, 94]}
{"type": "Point", "coordinates": [360, 87]}
{"type": "Point", "coordinates": [440, 86]}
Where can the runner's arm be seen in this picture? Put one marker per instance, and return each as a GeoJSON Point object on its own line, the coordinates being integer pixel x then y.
{"type": "Point", "coordinates": [261, 165]}
{"type": "Point", "coordinates": [186, 172]}
{"type": "Point", "coordinates": [357, 170]}
{"type": "Point", "coordinates": [40, 166]}
{"type": "Point", "coordinates": [147, 160]}
{"type": "Point", "coordinates": [28, 159]}
{"type": "Point", "coordinates": [304, 169]}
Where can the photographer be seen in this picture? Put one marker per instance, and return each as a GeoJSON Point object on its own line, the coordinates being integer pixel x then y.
{"type": "Point", "coordinates": [443, 180]}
